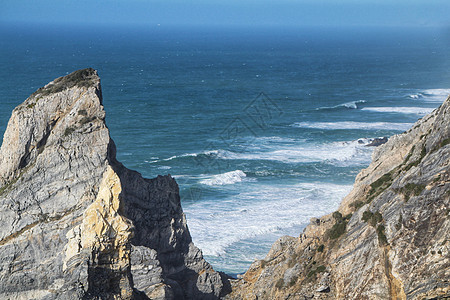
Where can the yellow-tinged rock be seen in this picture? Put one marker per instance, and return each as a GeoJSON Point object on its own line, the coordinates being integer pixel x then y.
{"type": "Point", "coordinates": [103, 226]}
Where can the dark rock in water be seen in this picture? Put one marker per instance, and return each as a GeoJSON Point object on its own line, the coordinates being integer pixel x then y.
{"type": "Point", "coordinates": [77, 224]}
{"type": "Point", "coordinates": [377, 142]}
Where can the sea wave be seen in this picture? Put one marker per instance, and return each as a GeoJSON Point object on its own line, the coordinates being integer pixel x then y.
{"type": "Point", "coordinates": [431, 95]}
{"type": "Point", "coordinates": [343, 153]}
{"type": "Point", "coordinates": [337, 153]}
{"type": "Point", "coordinates": [403, 110]}
{"type": "Point", "coordinates": [165, 167]}
{"type": "Point", "coordinates": [354, 125]}
{"type": "Point", "coordinates": [437, 92]}
{"type": "Point", "coordinates": [225, 178]}
{"type": "Point", "coordinates": [204, 153]}
{"type": "Point", "coordinates": [258, 210]}
{"type": "Point", "coordinates": [349, 105]}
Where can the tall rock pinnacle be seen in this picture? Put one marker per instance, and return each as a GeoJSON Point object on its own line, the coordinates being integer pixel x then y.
{"type": "Point", "coordinates": [77, 224]}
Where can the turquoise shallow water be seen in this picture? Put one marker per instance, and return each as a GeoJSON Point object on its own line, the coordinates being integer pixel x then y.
{"type": "Point", "coordinates": [262, 129]}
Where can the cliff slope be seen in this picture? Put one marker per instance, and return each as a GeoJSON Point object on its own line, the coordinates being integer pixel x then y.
{"type": "Point", "coordinates": [389, 239]}
{"type": "Point", "coordinates": [76, 224]}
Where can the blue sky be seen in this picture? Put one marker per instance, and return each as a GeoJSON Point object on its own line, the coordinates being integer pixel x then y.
{"type": "Point", "coordinates": [289, 13]}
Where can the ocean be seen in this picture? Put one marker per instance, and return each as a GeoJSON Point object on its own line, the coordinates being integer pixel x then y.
{"type": "Point", "coordinates": [262, 128]}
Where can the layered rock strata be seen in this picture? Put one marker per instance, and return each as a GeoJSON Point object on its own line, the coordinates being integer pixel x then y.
{"type": "Point", "coordinates": [77, 224]}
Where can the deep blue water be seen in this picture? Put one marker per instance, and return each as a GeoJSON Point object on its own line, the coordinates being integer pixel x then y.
{"type": "Point", "coordinates": [263, 129]}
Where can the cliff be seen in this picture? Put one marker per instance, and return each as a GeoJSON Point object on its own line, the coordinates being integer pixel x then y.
{"type": "Point", "coordinates": [77, 224]}
{"type": "Point", "coordinates": [389, 239]}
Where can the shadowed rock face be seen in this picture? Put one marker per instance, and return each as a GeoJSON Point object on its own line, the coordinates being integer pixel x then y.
{"type": "Point", "coordinates": [77, 224]}
{"type": "Point", "coordinates": [388, 240]}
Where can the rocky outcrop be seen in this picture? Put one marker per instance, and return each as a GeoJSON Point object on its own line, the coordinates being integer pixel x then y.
{"type": "Point", "coordinates": [77, 224]}
{"type": "Point", "coordinates": [377, 142]}
{"type": "Point", "coordinates": [389, 238]}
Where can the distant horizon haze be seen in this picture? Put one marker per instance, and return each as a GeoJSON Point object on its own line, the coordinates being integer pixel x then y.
{"type": "Point", "coordinates": [247, 13]}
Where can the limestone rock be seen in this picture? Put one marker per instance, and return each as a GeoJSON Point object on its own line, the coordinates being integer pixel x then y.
{"type": "Point", "coordinates": [388, 240]}
{"type": "Point", "coordinates": [77, 224]}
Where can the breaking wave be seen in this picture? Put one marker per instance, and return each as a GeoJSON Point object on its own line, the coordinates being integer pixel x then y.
{"type": "Point", "coordinates": [354, 125]}
{"type": "Point", "coordinates": [402, 110]}
{"type": "Point", "coordinates": [225, 178]}
{"type": "Point", "coordinates": [349, 105]}
{"type": "Point", "coordinates": [215, 225]}
{"type": "Point", "coordinates": [431, 95]}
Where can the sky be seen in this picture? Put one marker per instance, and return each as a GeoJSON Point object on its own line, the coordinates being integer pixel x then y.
{"type": "Point", "coordinates": [287, 13]}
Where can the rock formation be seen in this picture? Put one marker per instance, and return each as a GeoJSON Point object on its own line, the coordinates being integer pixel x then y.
{"type": "Point", "coordinates": [377, 142]}
{"type": "Point", "coordinates": [389, 239]}
{"type": "Point", "coordinates": [75, 223]}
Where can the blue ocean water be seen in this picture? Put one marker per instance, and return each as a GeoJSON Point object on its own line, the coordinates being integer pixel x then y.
{"type": "Point", "coordinates": [263, 129]}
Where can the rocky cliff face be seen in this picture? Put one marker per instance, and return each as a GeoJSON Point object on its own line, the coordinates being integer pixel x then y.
{"type": "Point", "coordinates": [389, 239]}
{"type": "Point", "coordinates": [75, 223]}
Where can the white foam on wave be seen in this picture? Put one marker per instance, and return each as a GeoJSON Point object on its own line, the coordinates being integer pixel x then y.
{"type": "Point", "coordinates": [211, 152]}
{"type": "Point", "coordinates": [437, 92]}
{"type": "Point", "coordinates": [164, 167]}
{"type": "Point", "coordinates": [274, 139]}
{"type": "Point", "coordinates": [403, 110]}
{"type": "Point", "coordinates": [260, 209]}
{"type": "Point", "coordinates": [225, 178]}
{"type": "Point", "coordinates": [264, 143]}
{"type": "Point", "coordinates": [354, 125]}
{"type": "Point", "coordinates": [286, 150]}
{"type": "Point", "coordinates": [337, 153]}
{"type": "Point", "coordinates": [431, 95]}
{"type": "Point", "coordinates": [350, 105]}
